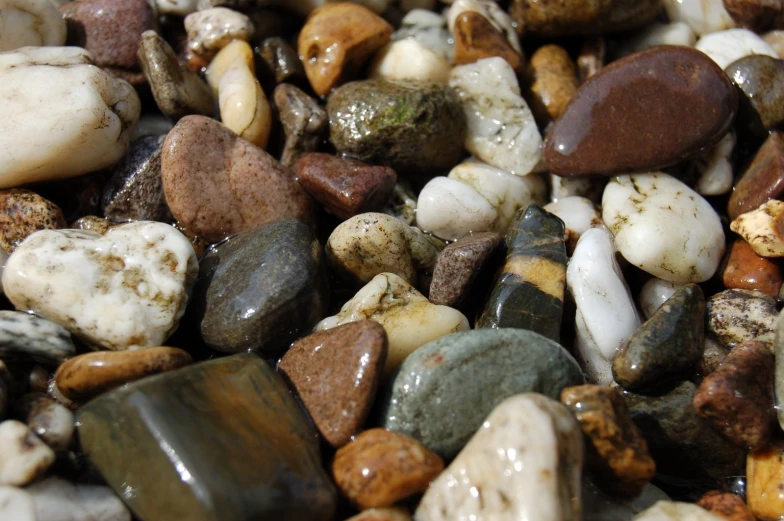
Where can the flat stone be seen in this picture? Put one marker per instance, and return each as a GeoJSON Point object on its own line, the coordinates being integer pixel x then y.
{"type": "Point", "coordinates": [551, 79]}
{"type": "Point", "coordinates": [737, 315]}
{"type": "Point", "coordinates": [379, 468]}
{"type": "Point", "coordinates": [31, 23]}
{"type": "Point", "coordinates": [336, 373]}
{"type": "Point", "coordinates": [529, 291]}
{"type": "Point", "coordinates": [345, 187]}
{"type": "Point", "coordinates": [85, 376]}
{"type": "Point", "coordinates": [689, 104]}
{"type": "Point", "coordinates": [445, 389]}
{"type": "Point", "coordinates": [23, 456]}
{"type": "Point", "coordinates": [764, 480]}
{"type": "Point", "coordinates": [49, 420]}
{"type": "Point", "coordinates": [675, 511]}
{"type": "Point", "coordinates": [304, 123]}
{"type": "Point", "coordinates": [217, 184]}
{"type": "Point", "coordinates": [759, 79]}
{"type": "Point", "coordinates": [128, 288]}
{"type": "Point", "coordinates": [747, 270]}
{"type": "Point", "coordinates": [583, 17]}
{"type": "Point", "coordinates": [616, 451]}
{"type": "Point", "coordinates": [762, 180]}
{"type": "Point", "coordinates": [281, 61]}
{"type": "Point", "coordinates": [56, 499]}
{"type": "Point", "coordinates": [22, 213]}
{"type": "Point", "coordinates": [476, 39]}
{"type": "Point", "coordinates": [726, 505]}
{"type": "Point", "coordinates": [27, 336]}
{"type": "Point", "coordinates": [527, 456]}
{"type": "Point", "coordinates": [230, 424]}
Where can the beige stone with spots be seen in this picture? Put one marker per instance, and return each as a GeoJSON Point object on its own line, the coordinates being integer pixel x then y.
{"type": "Point", "coordinates": [757, 227]}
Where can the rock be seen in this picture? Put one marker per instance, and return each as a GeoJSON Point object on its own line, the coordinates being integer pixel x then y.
{"type": "Point", "coordinates": [477, 39]}
{"type": "Point", "coordinates": [775, 40]}
{"type": "Point", "coordinates": [778, 352]}
{"type": "Point", "coordinates": [597, 506]}
{"type": "Point", "coordinates": [726, 505]}
{"type": "Point", "coordinates": [97, 120]}
{"type": "Point", "coordinates": [590, 188]}
{"type": "Point", "coordinates": [737, 398]}
{"type": "Point", "coordinates": [380, 468]}
{"type": "Point", "coordinates": [86, 376]}
{"type": "Point", "coordinates": [261, 289]}
{"type": "Point", "coordinates": [578, 214]}
{"type": "Point", "coordinates": [502, 131]}
{"type": "Point", "coordinates": [663, 227]}
{"type": "Point", "coordinates": [592, 57]}
{"type": "Point", "coordinates": [49, 420]}
{"type": "Point", "coordinates": [23, 456]}
{"type": "Point", "coordinates": [747, 270]}
{"type": "Point", "coordinates": [22, 213]}
{"type": "Point", "coordinates": [606, 316]}
{"type": "Point", "coordinates": [524, 462]}
{"type": "Point", "coordinates": [372, 243]}
{"type": "Point", "coordinates": [529, 291]}
{"type": "Point", "coordinates": [764, 480]}
{"type": "Point", "coordinates": [656, 292]}
{"type": "Point", "coordinates": [736, 316]}
{"type": "Point", "coordinates": [666, 347]}
{"type": "Point", "coordinates": [237, 50]}
{"type": "Point", "coordinates": [337, 40]}
{"type": "Point", "coordinates": [725, 47]}
{"type": "Point", "coordinates": [345, 187]}
{"type": "Point", "coordinates": [757, 15]}
{"type": "Point", "coordinates": [409, 59]}
{"type": "Point", "coordinates": [56, 499]}
{"type": "Point", "coordinates": [281, 62]}
{"type": "Point", "coordinates": [494, 14]}
{"type": "Point", "coordinates": [92, 223]}
{"type": "Point", "coordinates": [445, 389]}
{"type": "Point", "coordinates": [230, 423]}
{"type": "Point", "coordinates": [616, 450]}
{"type": "Point", "coordinates": [151, 125]}
{"type": "Point", "coordinates": [382, 514]}
{"type": "Point", "coordinates": [320, 365]}
{"type": "Point", "coordinates": [586, 17]}
{"type": "Point", "coordinates": [713, 355]}
{"type": "Point", "coordinates": [674, 33]}
{"type": "Point", "coordinates": [460, 266]}
{"type": "Point", "coordinates": [16, 503]}
{"type": "Point", "coordinates": [762, 180]}
{"type": "Point", "coordinates": [30, 23]}
{"type": "Point", "coordinates": [125, 289]}
{"type": "Point", "coordinates": [429, 29]}
{"type": "Point", "coordinates": [211, 30]}
{"type": "Point", "coordinates": [705, 16]}
{"type": "Point", "coordinates": [385, 123]}
{"type": "Point", "coordinates": [304, 122]}
{"type": "Point", "coordinates": [29, 337]}
{"type": "Point", "coordinates": [402, 206]}
{"type": "Point", "coordinates": [217, 184]}
{"type": "Point", "coordinates": [551, 81]}
{"type": "Point", "coordinates": [714, 168]}
{"type": "Point", "coordinates": [683, 444]}
{"type": "Point", "coordinates": [176, 7]}
{"type": "Point", "coordinates": [674, 511]}
{"type": "Point", "coordinates": [759, 79]}
{"type": "Point", "coordinates": [762, 229]}
{"type": "Point", "coordinates": [409, 319]}
{"type": "Point", "coordinates": [606, 129]}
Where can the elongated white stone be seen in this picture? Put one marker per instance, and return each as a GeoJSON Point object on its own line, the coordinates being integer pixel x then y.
{"type": "Point", "coordinates": [23, 456]}
{"type": "Point", "coordinates": [56, 499]}
{"type": "Point", "coordinates": [715, 168]}
{"type": "Point", "coordinates": [725, 47]}
{"type": "Point", "coordinates": [62, 116]}
{"type": "Point", "coordinates": [243, 106]}
{"type": "Point", "coordinates": [704, 16]}
{"type": "Point", "coordinates": [409, 60]}
{"type": "Point", "coordinates": [30, 23]}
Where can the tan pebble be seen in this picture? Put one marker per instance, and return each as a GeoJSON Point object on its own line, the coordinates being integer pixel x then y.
{"type": "Point", "coordinates": [551, 76]}
{"type": "Point", "coordinates": [476, 39]}
{"type": "Point", "coordinates": [765, 481]}
{"type": "Point", "coordinates": [776, 40]}
{"type": "Point", "coordinates": [244, 108]}
{"type": "Point", "coordinates": [758, 228]}
{"type": "Point", "coordinates": [236, 50]}
{"type": "Point", "coordinates": [23, 212]}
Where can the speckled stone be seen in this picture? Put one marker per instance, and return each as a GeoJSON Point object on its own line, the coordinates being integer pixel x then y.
{"type": "Point", "coordinates": [91, 223]}
{"type": "Point", "coordinates": [85, 376]}
{"type": "Point", "coordinates": [345, 187]}
{"type": "Point", "coordinates": [230, 424]}
{"type": "Point", "coordinates": [476, 38]}
{"type": "Point", "coordinates": [738, 315]}
{"type": "Point", "coordinates": [551, 79]}
{"type": "Point", "coordinates": [666, 347]}
{"type": "Point", "coordinates": [689, 106]}
{"type": "Point", "coordinates": [380, 468]}
{"type": "Point", "coordinates": [760, 81]}
{"type": "Point", "coordinates": [280, 62]}
{"type": "Point", "coordinates": [22, 213]}
{"type": "Point", "coordinates": [49, 420]}
{"type": "Point", "coordinates": [713, 355]}
{"type": "Point", "coordinates": [763, 228]}
{"type": "Point", "coordinates": [582, 17]}
{"type": "Point", "coordinates": [30, 337]}
{"type": "Point", "coordinates": [385, 123]}
{"type": "Point", "coordinates": [261, 289]}
{"type": "Point", "coordinates": [726, 505]}
{"type": "Point", "coordinates": [304, 121]}
{"type": "Point", "coordinates": [445, 389]}
{"type": "Point", "coordinates": [747, 270]}
{"type": "Point", "coordinates": [762, 180]}
{"type": "Point", "coordinates": [336, 373]}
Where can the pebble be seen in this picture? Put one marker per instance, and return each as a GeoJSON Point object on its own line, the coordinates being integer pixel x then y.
{"type": "Point", "coordinates": [663, 227]}
{"type": "Point", "coordinates": [738, 315]}
{"type": "Point", "coordinates": [97, 121]}
{"type": "Point", "coordinates": [88, 375]}
{"type": "Point", "coordinates": [428, 29]}
{"type": "Point", "coordinates": [502, 131]}
{"type": "Point", "coordinates": [762, 180]}
{"type": "Point", "coordinates": [176, 7]}
{"type": "Point", "coordinates": [676, 511]}
{"type": "Point", "coordinates": [229, 425]}
{"type": "Point", "coordinates": [524, 462]}
{"type": "Point", "coordinates": [151, 125]}
{"type": "Point", "coordinates": [714, 168]}
{"type": "Point", "coordinates": [28, 337]}
{"type": "Point", "coordinates": [654, 293]}
{"type": "Point", "coordinates": [385, 123]}
{"type": "Point", "coordinates": [529, 290]}
{"type": "Point", "coordinates": [778, 352]}
{"type": "Point", "coordinates": [616, 451]}
{"type": "Point", "coordinates": [382, 514]}
{"type": "Point", "coordinates": [178, 91]}
{"type": "Point", "coordinates": [49, 420]}
{"type": "Point", "coordinates": [759, 79]}
{"type": "Point", "coordinates": [578, 214]}
{"type": "Point", "coordinates": [16, 504]}
{"type": "Point", "coordinates": [674, 33]}
{"type": "Point", "coordinates": [56, 499]}
{"type": "Point", "coordinates": [6, 383]}
{"type": "Point", "coordinates": [551, 80]}
{"type": "Point", "coordinates": [725, 47]}
{"type": "Point", "coordinates": [703, 16]}
{"type": "Point", "coordinates": [262, 289]}
{"type": "Point", "coordinates": [761, 228]}
{"type": "Point", "coordinates": [318, 367]}
{"type": "Point", "coordinates": [217, 184]}
{"type": "Point", "coordinates": [590, 188]}
{"type": "Point", "coordinates": [747, 270]}
{"type": "Point", "coordinates": [125, 289]}
{"type": "Point", "coordinates": [22, 213]}
{"type": "Point", "coordinates": [666, 347]}
{"type": "Point", "coordinates": [379, 468]}
{"type": "Point", "coordinates": [368, 244]}
{"type": "Point", "coordinates": [592, 57]}
{"type": "Point", "coordinates": [494, 14]}
{"type": "Point", "coordinates": [211, 30]}
{"type": "Point", "coordinates": [304, 123]}
{"type": "Point", "coordinates": [606, 129]}
{"type": "Point", "coordinates": [280, 62]}
{"type": "Point", "coordinates": [724, 504]}
{"type": "Point", "coordinates": [237, 50]}
{"type": "Point", "coordinates": [445, 389]}
{"type": "Point", "coordinates": [756, 15]}
{"type": "Point", "coordinates": [408, 59]}
{"type": "Point", "coordinates": [402, 206]}
{"type": "Point", "coordinates": [712, 356]}
{"type": "Point", "coordinates": [583, 17]}
{"type": "Point", "coordinates": [345, 187]}
{"type": "Point", "coordinates": [26, 23]}
{"type": "Point", "coordinates": [409, 319]}
{"type": "Point", "coordinates": [598, 506]}
{"type": "Point", "coordinates": [23, 456]}
{"type": "Point", "coordinates": [606, 315]}
{"type": "Point", "coordinates": [243, 105]}
{"type": "Point", "coordinates": [476, 38]}
{"type": "Point", "coordinates": [93, 224]}
{"type": "Point", "coordinates": [765, 480]}
{"type": "Point", "coordinates": [336, 41]}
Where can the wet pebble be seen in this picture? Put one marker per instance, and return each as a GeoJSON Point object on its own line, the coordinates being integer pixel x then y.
{"type": "Point", "coordinates": [551, 79]}
{"type": "Point", "coordinates": [49, 420]}
{"type": "Point", "coordinates": [23, 456]}
{"type": "Point", "coordinates": [56, 499]}
{"type": "Point", "coordinates": [476, 38]}
{"type": "Point", "coordinates": [747, 270]}
{"type": "Point", "coordinates": [654, 293]}
{"type": "Point", "coordinates": [737, 315]}
{"type": "Point", "coordinates": [281, 62]}
{"type": "Point", "coordinates": [703, 16]}
{"type": "Point", "coordinates": [725, 47]}
{"type": "Point", "coordinates": [761, 180]}
{"type": "Point", "coordinates": [31, 23]}
{"type": "Point", "coordinates": [765, 480]}
{"type": "Point", "coordinates": [762, 228]}
{"type": "Point", "coordinates": [211, 30]}
{"type": "Point", "coordinates": [759, 79]}
{"type": "Point", "coordinates": [304, 123]}
{"type": "Point", "coordinates": [30, 337]}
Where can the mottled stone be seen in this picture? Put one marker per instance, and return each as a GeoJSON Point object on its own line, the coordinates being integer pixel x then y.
{"type": "Point", "coordinates": [583, 17]}
{"type": "Point", "coordinates": [689, 105]}
{"type": "Point", "coordinates": [49, 420]}
{"type": "Point", "coordinates": [304, 122]}
{"type": "Point", "coordinates": [281, 62]}
{"type": "Point", "coordinates": [476, 38]}
{"type": "Point", "coordinates": [737, 315]}
{"type": "Point", "coordinates": [29, 337]}
{"type": "Point", "coordinates": [86, 376]}
{"type": "Point", "coordinates": [747, 270]}
{"type": "Point", "coordinates": [92, 223]}
{"type": "Point", "coordinates": [529, 291]}
{"type": "Point", "coordinates": [551, 80]}
{"type": "Point", "coordinates": [762, 180]}
{"type": "Point", "coordinates": [336, 373]}
{"type": "Point", "coordinates": [23, 456]}
{"type": "Point", "coordinates": [56, 499]}
{"type": "Point", "coordinates": [676, 511]}
{"type": "Point", "coordinates": [726, 505]}
{"type": "Point", "coordinates": [30, 23]}
{"type": "Point", "coordinates": [759, 79]}
{"type": "Point", "coordinates": [445, 389]}
{"type": "Point", "coordinates": [22, 213]}
{"type": "Point", "coordinates": [230, 424]}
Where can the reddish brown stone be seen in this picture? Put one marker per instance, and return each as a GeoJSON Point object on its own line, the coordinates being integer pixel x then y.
{"type": "Point", "coordinates": [757, 15]}
{"type": "Point", "coordinates": [747, 270]}
{"type": "Point", "coordinates": [336, 373]}
{"type": "Point", "coordinates": [476, 39]}
{"type": "Point", "coordinates": [762, 180]}
{"type": "Point", "coordinates": [737, 399]}
{"type": "Point", "coordinates": [346, 187]}
{"type": "Point", "coordinates": [22, 213]}
{"type": "Point", "coordinates": [726, 505]}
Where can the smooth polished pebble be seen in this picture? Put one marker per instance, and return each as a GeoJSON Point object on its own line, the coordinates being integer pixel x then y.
{"type": "Point", "coordinates": [16, 504]}
{"type": "Point", "coordinates": [745, 269]}
{"type": "Point", "coordinates": [49, 420]}
{"type": "Point", "coordinates": [23, 456]}
{"type": "Point", "coordinates": [243, 105]}
{"type": "Point", "coordinates": [408, 59]}
{"type": "Point", "coordinates": [582, 17]}
{"type": "Point", "coordinates": [762, 180]}
{"type": "Point", "coordinates": [551, 79]}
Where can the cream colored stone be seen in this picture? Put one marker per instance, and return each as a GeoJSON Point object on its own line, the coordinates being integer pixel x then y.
{"type": "Point", "coordinates": [56, 499]}
{"type": "Point", "coordinates": [757, 228]}
{"type": "Point", "coordinates": [236, 50]}
{"type": "Point", "coordinates": [776, 41]}
{"type": "Point", "coordinates": [715, 168]}
{"type": "Point", "coordinates": [409, 60]}
{"type": "Point", "coordinates": [578, 214]}
{"type": "Point", "coordinates": [16, 505]}
{"type": "Point", "coordinates": [26, 23]}
{"type": "Point", "coordinates": [244, 108]}
{"type": "Point", "coordinates": [728, 46]}
{"type": "Point", "coordinates": [654, 293]}
{"type": "Point", "coordinates": [675, 511]}
{"type": "Point", "coordinates": [178, 7]}
{"type": "Point", "coordinates": [211, 30]}
{"type": "Point", "coordinates": [23, 456]}
{"type": "Point", "coordinates": [703, 16]}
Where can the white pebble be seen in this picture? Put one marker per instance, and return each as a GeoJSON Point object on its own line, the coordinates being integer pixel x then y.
{"type": "Point", "coordinates": [409, 60]}
{"type": "Point", "coordinates": [427, 28]}
{"type": "Point", "coordinates": [578, 214]}
{"type": "Point", "coordinates": [211, 30]}
{"type": "Point", "coordinates": [16, 505]}
{"type": "Point", "coordinates": [654, 293]}
{"type": "Point", "coordinates": [23, 456]}
{"type": "Point", "coordinates": [26, 23]}
{"type": "Point", "coordinates": [728, 46]}
{"type": "Point", "coordinates": [676, 33]}
{"type": "Point", "coordinates": [451, 209]}
{"type": "Point", "coordinates": [56, 499]}
{"type": "Point", "coordinates": [674, 511]}
{"type": "Point", "coordinates": [704, 16]}
{"type": "Point", "coordinates": [178, 7]}
{"type": "Point", "coordinates": [758, 228]}
{"type": "Point", "coordinates": [715, 168]}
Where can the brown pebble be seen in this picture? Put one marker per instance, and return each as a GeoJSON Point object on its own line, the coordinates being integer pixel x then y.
{"type": "Point", "coordinates": [551, 77]}
{"type": "Point", "coordinates": [379, 468]}
{"type": "Point", "coordinates": [765, 481]}
{"type": "Point", "coordinates": [747, 270]}
{"type": "Point", "coordinates": [726, 505]}
{"type": "Point", "coordinates": [757, 15]}
{"type": "Point", "coordinates": [552, 18]}
{"type": "Point", "coordinates": [762, 180]}
{"type": "Point", "coordinates": [88, 375]}
{"type": "Point", "coordinates": [336, 373]}
{"type": "Point", "coordinates": [22, 213]}
{"type": "Point", "coordinates": [476, 39]}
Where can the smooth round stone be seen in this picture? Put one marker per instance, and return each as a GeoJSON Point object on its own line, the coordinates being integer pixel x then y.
{"type": "Point", "coordinates": [445, 389]}
{"type": "Point", "coordinates": [409, 59]}
{"type": "Point", "coordinates": [644, 112]}
{"type": "Point", "coordinates": [499, 22]}
{"type": "Point", "coordinates": [578, 214]}
{"type": "Point", "coordinates": [715, 168]}
{"type": "Point", "coordinates": [34, 23]}
{"type": "Point", "coordinates": [761, 83]}
{"type": "Point", "coordinates": [725, 47]}
{"type": "Point", "coordinates": [22, 213]}
{"type": "Point", "coordinates": [551, 76]}
{"type": "Point", "coordinates": [762, 180]}
{"type": "Point", "coordinates": [49, 420]}
{"type": "Point", "coordinates": [582, 17]}
{"type": "Point", "coordinates": [86, 376]}
{"type": "Point", "coordinates": [745, 269]}
{"type": "Point", "coordinates": [24, 335]}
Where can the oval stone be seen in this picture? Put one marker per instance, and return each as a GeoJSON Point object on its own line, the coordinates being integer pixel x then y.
{"type": "Point", "coordinates": [647, 111]}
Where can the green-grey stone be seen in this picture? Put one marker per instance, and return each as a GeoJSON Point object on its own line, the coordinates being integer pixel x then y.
{"type": "Point", "coordinates": [668, 346]}
{"type": "Point", "coordinates": [221, 440]}
{"type": "Point", "coordinates": [445, 389]}
{"type": "Point", "coordinates": [262, 289]}
{"type": "Point", "coordinates": [410, 126]}
{"type": "Point", "coordinates": [536, 259]}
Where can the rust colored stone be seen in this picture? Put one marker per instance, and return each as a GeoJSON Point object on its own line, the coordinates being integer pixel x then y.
{"type": "Point", "coordinates": [551, 77]}
{"type": "Point", "coordinates": [765, 481]}
{"type": "Point", "coordinates": [762, 180]}
{"type": "Point", "coordinates": [22, 213]}
{"type": "Point", "coordinates": [476, 39]}
{"type": "Point", "coordinates": [747, 270]}
{"type": "Point", "coordinates": [726, 505]}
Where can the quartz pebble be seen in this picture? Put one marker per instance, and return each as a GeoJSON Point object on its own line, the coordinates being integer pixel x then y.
{"type": "Point", "coordinates": [408, 59]}
{"type": "Point", "coordinates": [304, 123]}
{"type": "Point", "coordinates": [714, 168]}
{"type": "Point", "coordinates": [762, 180]}
{"type": "Point", "coordinates": [211, 30]}
{"type": "Point", "coordinates": [31, 337]}
{"type": "Point", "coordinates": [676, 511]}
{"type": "Point", "coordinates": [747, 270]}
{"type": "Point", "coordinates": [703, 16]}
{"type": "Point", "coordinates": [26, 23]}
{"type": "Point", "coordinates": [764, 481]}
{"type": "Point", "coordinates": [737, 315]}
{"type": "Point", "coordinates": [725, 47]}
{"type": "Point", "coordinates": [760, 228]}
{"type": "Point", "coordinates": [22, 213]}
{"type": "Point", "coordinates": [23, 456]}
{"type": "Point", "coordinates": [551, 79]}
{"type": "Point", "coordinates": [724, 504]}
{"type": "Point", "coordinates": [654, 293]}
{"type": "Point", "coordinates": [56, 499]}
{"type": "Point", "coordinates": [578, 214]}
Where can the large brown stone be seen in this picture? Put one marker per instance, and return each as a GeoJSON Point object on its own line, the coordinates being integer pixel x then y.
{"type": "Point", "coordinates": [550, 18]}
